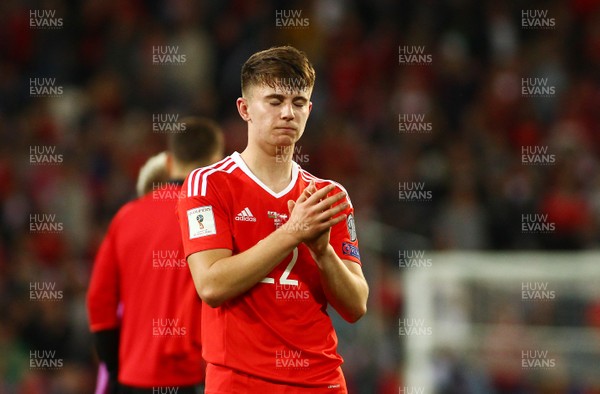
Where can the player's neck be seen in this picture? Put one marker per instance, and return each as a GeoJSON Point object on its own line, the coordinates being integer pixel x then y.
{"type": "Point", "coordinates": [272, 170]}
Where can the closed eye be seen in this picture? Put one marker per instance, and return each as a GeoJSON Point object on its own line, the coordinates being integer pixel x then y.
{"type": "Point", "coordinates": [300, 103]}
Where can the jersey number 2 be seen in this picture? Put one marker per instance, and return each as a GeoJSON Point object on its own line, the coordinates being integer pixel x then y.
{"type": "Point", "coordinates": [283, 279]}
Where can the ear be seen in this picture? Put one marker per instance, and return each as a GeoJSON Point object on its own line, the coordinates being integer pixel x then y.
{"type": "Point", "coordinates": [309, 107]}
{"type": "Point", "coordinates": [242, 106]}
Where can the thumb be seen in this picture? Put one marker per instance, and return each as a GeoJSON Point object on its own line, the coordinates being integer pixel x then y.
{"type": "Point", "coordinates": [291, 204]}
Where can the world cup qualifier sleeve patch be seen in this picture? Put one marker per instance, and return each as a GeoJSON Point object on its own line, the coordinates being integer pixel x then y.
{"type": "Point", "coordinates": [201, 222]}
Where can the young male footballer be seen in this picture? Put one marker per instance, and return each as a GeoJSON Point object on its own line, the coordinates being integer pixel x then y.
{"type": "Point", "coordinates": [270, 246]}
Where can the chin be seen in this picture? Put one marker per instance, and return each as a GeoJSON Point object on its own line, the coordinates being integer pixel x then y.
{"type": "Point", "coordinates": [285, 140]}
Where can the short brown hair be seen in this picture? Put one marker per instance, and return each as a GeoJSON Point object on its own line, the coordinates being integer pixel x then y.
{"type": "Point", "coordinates": [198, 143]}
{"type": "Point", "coordinates": [273, 66]}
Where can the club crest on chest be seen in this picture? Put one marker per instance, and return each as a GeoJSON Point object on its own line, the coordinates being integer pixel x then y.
{"type": "Point", "coordinates": [278, 218]}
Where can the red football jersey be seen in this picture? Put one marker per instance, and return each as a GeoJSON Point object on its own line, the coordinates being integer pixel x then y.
{"type": "Point", "coordinates": [141, 266]}
{"type": "Point", "coordinates": [279, 330]}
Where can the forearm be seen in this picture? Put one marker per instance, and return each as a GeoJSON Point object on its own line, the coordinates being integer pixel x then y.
{"type": "Point", "coordinates": [229, 276]}
{"type": "Point", "coordinates": [345, 290]}
{"type": "Point", "coordinates": [220, 276]}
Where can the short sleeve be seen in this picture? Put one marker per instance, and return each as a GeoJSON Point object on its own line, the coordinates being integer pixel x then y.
{"type": "Point", "coordinates": [204, 218]}
{"type": "Point", "coordinates": [103, 292]}
{"type": "Point", "coordinates": [343, 236]}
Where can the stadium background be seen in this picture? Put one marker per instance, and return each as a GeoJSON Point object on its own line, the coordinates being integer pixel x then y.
{"type": "Point", "coordinates": [100, 126]}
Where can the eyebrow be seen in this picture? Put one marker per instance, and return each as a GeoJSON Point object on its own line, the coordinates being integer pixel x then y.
{"type": "Point", "coordinates": [281, 97]}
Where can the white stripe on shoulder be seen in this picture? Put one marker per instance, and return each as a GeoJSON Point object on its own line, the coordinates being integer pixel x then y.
{"type": "Point", "coordinates": [190, 180]}
{"type": "Point", "coordinates": [194, 182]}
{"type": "Point", "coordinates": [307, 176]}
{"type": "Point", "coordinates": [232, 166]}
{"type": "Point", "coordinates": [194, 177]}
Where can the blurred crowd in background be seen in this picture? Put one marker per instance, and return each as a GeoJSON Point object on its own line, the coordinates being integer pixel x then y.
{"type": "Point", "coordinates": [470, 92]}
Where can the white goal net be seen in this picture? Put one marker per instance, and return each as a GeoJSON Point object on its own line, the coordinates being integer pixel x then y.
{"type": "Point", "coordinates": [489, 320]}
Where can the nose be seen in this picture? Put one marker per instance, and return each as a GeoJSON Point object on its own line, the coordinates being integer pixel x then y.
{"type": "Point", "coordinates": [287, 112]}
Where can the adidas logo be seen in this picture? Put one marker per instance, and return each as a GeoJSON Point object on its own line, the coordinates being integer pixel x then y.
{"type": "Point", "coordinates": [245, 216]}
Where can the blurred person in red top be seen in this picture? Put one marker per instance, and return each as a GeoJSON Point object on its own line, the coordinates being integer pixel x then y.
{"type": "Point", "coordinates": [567, 210]}
{"type": "Point", "coordinates": [153, 172]}
{"type": "Point", "coordinates": [154, 342]}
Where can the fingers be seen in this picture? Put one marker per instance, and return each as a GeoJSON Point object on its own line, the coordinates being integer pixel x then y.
{"type": "Point", "coordinates": [317, 209]}
{"type": "Point", "coordinates": [318, 201]}
{"type": "Point", "coordinates": [311, 192]}
{"type": "Point", "coordinates": [307, 192]}
{"type": "Point", "coordinates": [312, 187]}
{"type": "Point", "coordinates": [318, 194]}
{"type": "Point", "coordinates": [329, 201]}
{"type": "Point", "coordinates": [333, 221]}
{"type": "Point", "coordinates": [313, 195]}
{"type": "Point", "coordinates": [332, 211]}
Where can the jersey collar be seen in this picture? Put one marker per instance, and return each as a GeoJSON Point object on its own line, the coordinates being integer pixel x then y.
{"type": "Point", "coordinates": [242, 165]}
